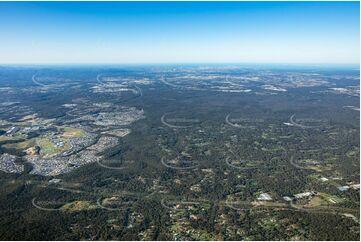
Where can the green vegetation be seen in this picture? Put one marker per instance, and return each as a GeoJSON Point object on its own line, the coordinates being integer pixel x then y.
{"type": "Point", "coordinates": [265, 153]}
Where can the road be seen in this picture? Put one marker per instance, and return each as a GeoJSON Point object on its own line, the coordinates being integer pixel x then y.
{"type": "Point", "coordinates": [171, 125]}
{"type": "Point", "coordinates": [297, 166]}
{"type": "Point", "coordinates": [300, 125]}
{"type": "Point", "coordinates": [177, 168]}
{"type": "Point", "coordinates": [36, 82]}
{"type": "Point", "coordinates": [110, 167]}
{"type": "Point", "coordinates": [234, 125]}
{"type": "Point", "coordinates": [247, 205]}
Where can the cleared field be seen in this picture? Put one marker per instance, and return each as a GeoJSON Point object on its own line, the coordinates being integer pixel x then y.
{"type": "Point", "coordinates": [6, 138]}
{"type": "Point", "coordinates": [47, 147]}
{"type": "Point", "coordinates": [78, 206]}
{"type": "Point", "coordinates": [21, 145]}
{"type": "Point", "coordinates": [315, 202]}
{"type": "Point", "coordinates": [72, 132]}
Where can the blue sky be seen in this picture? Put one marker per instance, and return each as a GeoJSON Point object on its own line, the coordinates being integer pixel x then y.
{"type": "Point", "coordinates": [180, 32]}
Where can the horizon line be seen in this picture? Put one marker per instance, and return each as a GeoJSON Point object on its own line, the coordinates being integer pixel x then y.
{"type": "Point", "coordinates": [177, 63]}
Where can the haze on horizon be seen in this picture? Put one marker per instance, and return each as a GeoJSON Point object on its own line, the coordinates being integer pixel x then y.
{"type": "Point", "coordinates": [180, 32]}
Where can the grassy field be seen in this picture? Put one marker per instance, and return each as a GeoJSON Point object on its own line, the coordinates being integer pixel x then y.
{"type": "Point", "coordinates": [47, 147]}
{"type": "Point", "coordinates": [72, 132]}
{"type": "Point", "coordinates": [324, 199]}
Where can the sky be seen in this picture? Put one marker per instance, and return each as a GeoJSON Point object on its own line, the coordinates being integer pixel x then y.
{"type": "Point", "coordinates": [179, 32]}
